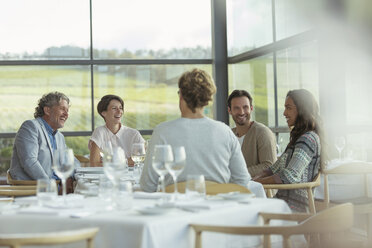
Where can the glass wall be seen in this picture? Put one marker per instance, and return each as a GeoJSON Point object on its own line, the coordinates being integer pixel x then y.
{"type": "Point", "coordinates": [266, 68]}
{"type": "Point", "coordinates": [44, 29]}
{"type": "Point", "coordinates": [249, 25]}
{"type": "Point", "coordinates": [147, 29]}
{"type": "Point", "coordinates": [22, 87]}
{"type": "Point", "coordinates": [256, 77]}
{"type": "Point", "coordinates": [87, 49]}
{"type": "Point", "coordinates": [149, 92]}
{"type": "Point", "coordinates": [297, 68]}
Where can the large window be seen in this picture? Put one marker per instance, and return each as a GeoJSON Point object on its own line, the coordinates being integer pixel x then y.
{"type": "Point", "coordinates": [149, 92]}
{"type": "Point", "coordinates": [89, 48]}
{"type": "Point", "coordinates": [271, 52]}
{"type": "Point", "coordinates": [22, 87]}
{"type": "Point", "coordinates": [44, 29]}
{"type": "Point", "coordinates": [147, 29]}
{"type": "Point", "coordinates": [256, 77]}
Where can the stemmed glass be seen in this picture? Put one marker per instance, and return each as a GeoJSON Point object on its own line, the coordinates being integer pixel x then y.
{"type": "Point", "coordinates": [138, 154]}
{"type": "Point", "coordinates": [340, 143]}
{"type": "Point", "coordinates": [177, 166]}
{"type": "Point", "coordinates": [115, 166]}
{"type": "Point", "coordinates": [161, 158]}
{"type": "Point", "coordinates": [63, 166]}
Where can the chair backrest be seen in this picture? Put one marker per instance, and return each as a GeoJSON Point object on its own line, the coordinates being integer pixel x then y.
{"type": "Point", "coordinates": [12, 181]}
{"type": "Point", "coordinates": [309, 186]}
{"type": "Point", "coordinates": [51, 238]}
{"type": "Point", "coordinates": [218, 188]}
{"type": "Point", "coordinates": [332, 220]}
{"type": "Point", "coordinates": [211, 188]}
{"type": "Point", "coordinates": [181, 186]}
{"type": "Point", "coordinates": [14, 191]}
{"type": "Point", "coordinates": [352, 168]}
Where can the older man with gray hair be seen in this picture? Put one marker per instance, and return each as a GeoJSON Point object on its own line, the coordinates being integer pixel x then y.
{"type": "Point", "coordinates": [37, 139]}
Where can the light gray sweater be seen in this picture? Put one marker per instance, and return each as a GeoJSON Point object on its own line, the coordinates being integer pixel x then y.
{"type": "Point", "coordinates": [211, 150]}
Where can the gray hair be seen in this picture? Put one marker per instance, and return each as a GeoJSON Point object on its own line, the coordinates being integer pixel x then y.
{"type": "Point", "coordinates": [49, 100]}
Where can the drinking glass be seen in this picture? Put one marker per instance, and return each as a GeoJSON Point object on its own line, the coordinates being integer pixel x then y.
{"type": "Point", "coordinates": [195, 187]}
{"type": "Point", "coordinates": [105, 188]}
{"type": "Point", "coordinates": [178, 165]}
{"type": "Point", "coordinates": [46, 191]}
{"type": "Point", "coordinates": [124, 198]}
{"type": "Point", "coordinates": [115, 166]}
{"type": "Point", "coordinates": [63, 166]}
{"type": "Point", "coordinates": [162, 156]}
{"type": "Point", "coordinates": [138, 154]}
{"type": "Point", "coordinates": [340, 143]}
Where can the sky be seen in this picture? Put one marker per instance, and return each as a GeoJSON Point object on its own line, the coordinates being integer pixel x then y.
{"type": "Point", "coordinates": [33, 26]}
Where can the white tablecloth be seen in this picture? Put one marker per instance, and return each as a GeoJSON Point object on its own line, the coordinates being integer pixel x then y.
{"type": "Point", "coordinates": [131, 229]}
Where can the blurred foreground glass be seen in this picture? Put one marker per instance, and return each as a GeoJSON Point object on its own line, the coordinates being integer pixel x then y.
{"type": "Point", "coordinates": [179, 163]}
{"type": "Point", "coordinates": [340, 144]}
{"type": "Point", "coordinates": [161, 157]}
{"type": "Point", "coordinates": [105, 188]}
{"type": "Point", "coordinates": [63, 166]}
{"type": "Point", "coordinates": [124, 198]}
{"type": "Point", "coordinates": [46, 191]}
{"type": "Point", "coordinates": [195, 187]}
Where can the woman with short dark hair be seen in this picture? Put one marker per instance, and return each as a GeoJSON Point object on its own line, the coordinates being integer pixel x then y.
{"type": "Point", "coordinates": [300, 161]}
{"type": "Point", "coordinates": [111, 108]}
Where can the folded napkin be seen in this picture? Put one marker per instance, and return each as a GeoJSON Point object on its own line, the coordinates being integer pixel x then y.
{"type": "Point", "coordinates": [205, 204]}
{"type": "Point", "coordinates": [147, 195]}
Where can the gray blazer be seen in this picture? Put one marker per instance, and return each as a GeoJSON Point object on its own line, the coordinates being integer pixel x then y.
{"type": "Point", "coordinates": [32, 151]}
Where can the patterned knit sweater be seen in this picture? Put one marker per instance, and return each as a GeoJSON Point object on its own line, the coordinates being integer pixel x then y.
{"type": "Point", "coordinates": [298, 164]}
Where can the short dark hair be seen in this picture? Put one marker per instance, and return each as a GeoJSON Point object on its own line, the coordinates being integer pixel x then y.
{"type": "Point", "coordinates": [105, 101]}
{"type": "Point", "coordinates": [238, 93]}
{"type": "Point", "coordinates": [49, 100]}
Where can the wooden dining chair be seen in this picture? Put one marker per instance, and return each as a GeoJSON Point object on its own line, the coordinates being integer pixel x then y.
{"type": "Point", "coordinates": [362, 205]}
{"type": "Point", "coordinates": [15, 191]}
{"type": "Point", "coordinates": [50, 238]}
{"type": "Point", "coordinates": [181, 186]}
{"type": "Point", "coordinates": [334, 220]}
{"type": "Point", "coordinates": [211, 188]}
{"type": "Point", "coordinates": [308, 186]}
{"type": "Point", "coordinates": [85, 162]}
{"type": "Point", "coordinates": [218, 188]}
{"type": "Point", "coordinates": [12, 181]}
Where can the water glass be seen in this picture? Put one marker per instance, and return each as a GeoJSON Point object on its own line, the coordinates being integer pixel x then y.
{"type": "Point", "coordinates": [105, 188]}
{"type": "Point", "coordinates": [124, 197]}
{"type": "Point", "coordinates": [195, 187]}
{"type": "Point", "coordinates": [46, 191]}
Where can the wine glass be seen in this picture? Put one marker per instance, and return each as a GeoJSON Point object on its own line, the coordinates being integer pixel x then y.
{"type": "Point", "coordinates": [340, 143]}
{"type": "Point", "coordinates": [115, 166]}
{"type": "Point", "coordinates": [162, 156]}
{"type": "Point", "coordinates": [63, 166]}
{"type": "Point", "coordinates": [138, 154]}
{"type": "Point", "coordinates": [177, 166]}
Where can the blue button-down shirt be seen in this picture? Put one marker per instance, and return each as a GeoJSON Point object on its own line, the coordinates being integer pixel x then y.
{"type": "Point", "coordinates": [51, 134]}
{"type": "Point", "coordinates": [52, 139]}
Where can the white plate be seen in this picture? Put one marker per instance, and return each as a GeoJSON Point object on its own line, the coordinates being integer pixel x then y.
{"type": "Point", "coordinates": [236, 196]}
{"type": "Point", "coordinates": [92, 170]}
{"type": "Point", "coordinates": [153, 210]}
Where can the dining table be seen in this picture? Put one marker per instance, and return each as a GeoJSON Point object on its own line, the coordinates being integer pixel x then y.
{"type": "Point", "coordinates": [147, 221]}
